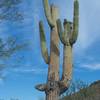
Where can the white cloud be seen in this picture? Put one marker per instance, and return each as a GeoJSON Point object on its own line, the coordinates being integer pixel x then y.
{"type": "Point", "coordinates": [28, 69]}
{"type": "Point", "coordinates": [93, 66]}
{"type": "Point", "coordinates": [34, 70]}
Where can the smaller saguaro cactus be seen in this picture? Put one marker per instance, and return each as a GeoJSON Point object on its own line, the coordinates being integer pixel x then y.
{"type": "Point", "coordinates": [68, 37]}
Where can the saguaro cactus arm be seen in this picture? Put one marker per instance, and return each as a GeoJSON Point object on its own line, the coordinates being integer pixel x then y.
{"type": "Point", "coordinates": [43, 43]}
{"type": "Point", "coordinates": [47, 10]}
{"type": "Point", "coordinates": [64, 35]}
{"type": "Point", "coordinates": [74, 34]}
{"type": "Point", "coordinates": [41, 87]}
{"type": "Point", "coordinates": [60, 31]}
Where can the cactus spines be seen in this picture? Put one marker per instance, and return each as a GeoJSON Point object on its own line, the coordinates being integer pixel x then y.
{"type": "Point", "coordinates": [68, 36]}
{"type": "Point", "coordinates": [43, 43]}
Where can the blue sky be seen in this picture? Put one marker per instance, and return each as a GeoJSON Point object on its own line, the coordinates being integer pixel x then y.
{"type": "Point", "coordinates": [26, 68]}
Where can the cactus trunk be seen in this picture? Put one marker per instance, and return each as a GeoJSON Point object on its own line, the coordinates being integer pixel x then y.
{"type": "Point", "coordinates": [67, 64]}
{"type": "Point", "coordinates": [53, 70]}
{"type": "Point", "coordinates": [53, 95]}
{"type": "Point", "coordinates": [67, 68]}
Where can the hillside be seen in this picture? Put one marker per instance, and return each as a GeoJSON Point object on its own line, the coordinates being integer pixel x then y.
{"type": "Point", "coordinates": [90, 93]}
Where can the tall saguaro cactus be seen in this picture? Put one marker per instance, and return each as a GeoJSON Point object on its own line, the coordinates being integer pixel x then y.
{"type": "Point", "coordinates": [56, 86]}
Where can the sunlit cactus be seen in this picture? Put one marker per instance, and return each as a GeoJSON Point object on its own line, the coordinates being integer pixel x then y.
{"type": "Point", "coordinates": [56, 86]}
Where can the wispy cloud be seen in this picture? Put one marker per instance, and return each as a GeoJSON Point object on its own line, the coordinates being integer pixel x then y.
{"type": "Point", "coordinates": [92, 66]}
{"type": "Point", "coordinates": [27, 71]}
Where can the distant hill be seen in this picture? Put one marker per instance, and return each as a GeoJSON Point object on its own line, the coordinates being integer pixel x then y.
{"type": "Point", "coordinates": [90, 93]}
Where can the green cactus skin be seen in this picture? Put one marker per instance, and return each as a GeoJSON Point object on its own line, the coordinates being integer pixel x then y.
{"type": "Point", "coordinates": [47, 10]}
{"type": "Point", "coordinates": [74, 35]}
{"type": "Point", "coordinates": [70, 29]}
{"type": "Point", "coordinates": [43, 43]}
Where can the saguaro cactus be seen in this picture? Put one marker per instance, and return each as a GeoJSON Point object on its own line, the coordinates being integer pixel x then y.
{"type": "Point", "coordinates": [56, 86]}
